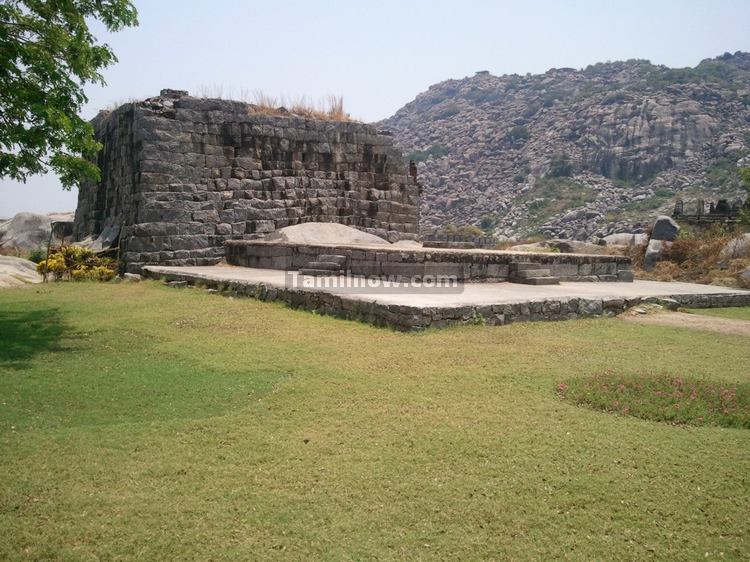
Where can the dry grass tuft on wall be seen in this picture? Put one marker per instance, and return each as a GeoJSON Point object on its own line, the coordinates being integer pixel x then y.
{"type": "Point", "coordinates": [331, 108]}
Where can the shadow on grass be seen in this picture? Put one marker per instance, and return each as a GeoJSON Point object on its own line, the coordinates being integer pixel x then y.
{"type": "Point", "coordinates": [26, 334]}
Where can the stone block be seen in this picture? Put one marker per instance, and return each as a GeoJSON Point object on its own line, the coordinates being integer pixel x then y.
{"type": "Point", "coordinates": [264, 226]}
{"type": "Point", "coordinates": [402, 270]}
{"type": "Point", "coordinates": [589, 307]}
{"type": "Point", "coordinates": [625, 275]}
{"type": "Point", "coordinates": [497, 271]}
{"type": "Point", "coordinates": [224, 229]}
{"type": "Point", "coordinates": [665, 228]}
{"type": "Point", "coordinates": [206, 216]}
{"type": "Point", "coordinates": [564, 269]}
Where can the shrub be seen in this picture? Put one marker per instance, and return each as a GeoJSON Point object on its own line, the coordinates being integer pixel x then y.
{"type": "Point", "coordinates": [436, 151]}
{"type": "Point", "coordinates": [461, 230]}
{"type": "Point", "coordinates": [615, 97]}
{"type": "Point", "coordinates": [487, 223]}
{"type": "Point", "coordinates": [470, 231]}
{"type": "Point", "coordinates": [697, 253]}
{"type": "Point", "coordinates": [77, 264]}
{"type": "Point", "coordinates": [696, 257]}
{"type": "Point", "coordinates": [532, 109]}
{"type": "Point", "coordinates": [560, 166]}
{"type": "Point", "coordinates": [37, 254]}
{"type": "Point", "coordinates": [518, 135]}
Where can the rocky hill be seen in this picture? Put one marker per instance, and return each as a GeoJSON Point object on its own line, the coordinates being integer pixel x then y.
{"type": "Point", "coordinates": [578, 153]}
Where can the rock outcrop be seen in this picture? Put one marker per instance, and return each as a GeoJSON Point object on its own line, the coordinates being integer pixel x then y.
{"type": "Point", "coordinates": [737, 248]}
{"type": "Point", "coordinates": [665, 229]}
{"type": "Point", "coordinates": [27, 231]}
{"type": "Point", "coordinates": [578, 153]}
{"type": "Point", "coordinates": [17, 272]}
{"type": "Point", "coordinates": [663, 232]}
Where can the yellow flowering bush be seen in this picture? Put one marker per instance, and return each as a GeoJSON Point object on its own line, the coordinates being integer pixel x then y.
{"type": "Point", "coordinates": [77, 263]}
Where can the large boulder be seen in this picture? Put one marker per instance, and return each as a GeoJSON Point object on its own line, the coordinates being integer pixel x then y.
{"type": "Point", "coordinates": [68, 216]}
{"type": "Point", "coordinates": [665, 229]}
{"type": "Point", "coordinates": [625, 239]}
{"type": "Point", "coordinates": [325, 233]}
{"type": "Point", "coordinates": [654, 253]}
{"type": "Point", "coordinates": [736, 248]}
{"type": "Point", "coordinates": [25, 231]}
{"type": "Point", "coordinates": [16, 272]}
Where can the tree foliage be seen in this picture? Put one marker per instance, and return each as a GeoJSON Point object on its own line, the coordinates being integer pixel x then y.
{"type": "Point", "coordinates": [47, 55]}
{"type": "Point", "coordinates": [560, 166]}
{"type": "Point", "coordinates": [518, 135]}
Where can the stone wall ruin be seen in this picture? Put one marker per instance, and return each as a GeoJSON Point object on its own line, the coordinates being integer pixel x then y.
{"type": "Point", "coordinates": [182, 175]}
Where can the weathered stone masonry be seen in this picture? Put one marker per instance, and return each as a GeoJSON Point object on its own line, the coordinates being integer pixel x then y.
{"type": "Point", "coordinates": [182, 175]}
{"type": "Point", "coordinates": [405, 263]}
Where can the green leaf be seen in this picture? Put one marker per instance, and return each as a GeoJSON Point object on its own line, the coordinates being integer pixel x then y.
{"type": "Point", "coordinates": [47, 56]}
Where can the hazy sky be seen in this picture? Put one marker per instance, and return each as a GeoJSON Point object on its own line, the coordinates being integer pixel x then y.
{"type": "Point", "coordinates": [380, 54]}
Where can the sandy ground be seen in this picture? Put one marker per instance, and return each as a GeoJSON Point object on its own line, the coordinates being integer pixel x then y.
{"type": "Point", "coordinates": [694, 321]}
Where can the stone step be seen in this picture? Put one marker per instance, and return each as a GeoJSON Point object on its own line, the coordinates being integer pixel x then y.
{"type": "Point", "coordinates": [536, 280]}
{"type": "Point", "coordinates": [526, 266]}
{"type": "Point", "coordinates": [529, 273]}
{"type": "Point", "coordinates": [319, 272]}
{"type": "Point", "coordinates": [335, 258]}
{"type": "Point", "coordinates": [324, 264]}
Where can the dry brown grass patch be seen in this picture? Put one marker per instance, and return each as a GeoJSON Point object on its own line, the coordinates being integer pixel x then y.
{"type": "Point", "coordinates": [330, 109]}
{"type": "Point", "coordinates": [695, 257]}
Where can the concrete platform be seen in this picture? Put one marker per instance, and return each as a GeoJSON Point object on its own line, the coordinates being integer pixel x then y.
{"type": "Point", "coordinates": [409, 306]}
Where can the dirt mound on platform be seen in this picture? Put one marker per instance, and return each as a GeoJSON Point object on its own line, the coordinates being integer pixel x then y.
{"type": "Point", "coordinates": [325, 233]}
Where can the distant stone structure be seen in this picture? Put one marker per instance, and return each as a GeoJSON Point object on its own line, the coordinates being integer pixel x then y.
{"type": "Point", "coordinates": [721, 211]}
{"type": "Point", "coordinates": [183, 175]}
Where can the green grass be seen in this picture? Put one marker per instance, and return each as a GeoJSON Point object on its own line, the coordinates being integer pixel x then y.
{"type": "Point", "coordinates": [636, 209]}
{"type": "Point", "coordinates": [436, 151]}
{"type": "Point", "coordinates": [139, 421]}
{"type": "Point", "coordinates": [738, 313]}
{"type": "Point", "coordinates": [722, 175]}
{"type": "Point", "coordinates": [553, 195]}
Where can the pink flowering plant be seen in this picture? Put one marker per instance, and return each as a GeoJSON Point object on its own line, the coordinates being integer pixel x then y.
{"type": "Point", "coordinates": [664, 398]}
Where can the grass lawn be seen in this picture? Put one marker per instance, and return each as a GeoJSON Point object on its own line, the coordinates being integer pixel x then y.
{"type": "Point", "coordinates": [139, 421]}
{"type": "Point", "coordinates": [738, 313]}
